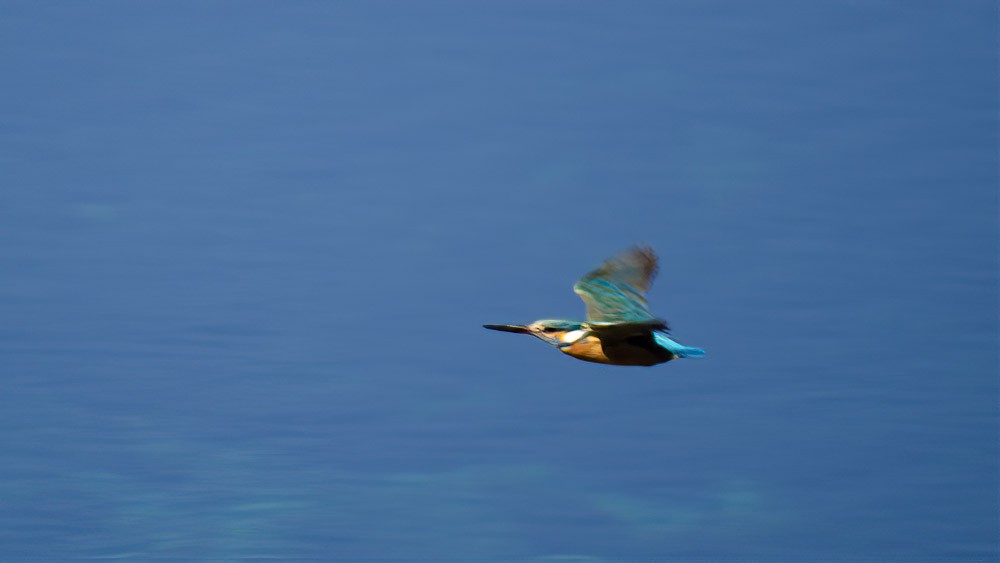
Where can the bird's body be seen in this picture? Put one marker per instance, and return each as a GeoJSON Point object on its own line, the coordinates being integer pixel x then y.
{"type": "Point", "coordinates": [619, 329]}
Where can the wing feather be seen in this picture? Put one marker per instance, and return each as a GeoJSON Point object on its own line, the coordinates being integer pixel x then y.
{"type": "Point", "coordinates": [616, 291]}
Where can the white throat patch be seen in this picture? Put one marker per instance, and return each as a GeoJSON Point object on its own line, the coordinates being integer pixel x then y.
{"type": "Point", "coordinates": [572, 336]}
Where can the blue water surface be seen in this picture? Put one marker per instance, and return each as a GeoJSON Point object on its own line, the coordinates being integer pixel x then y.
{"type": "Point", "coordinates": [246, 248]}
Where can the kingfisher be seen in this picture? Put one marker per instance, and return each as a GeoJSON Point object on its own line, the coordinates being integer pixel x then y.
{"type": "Point", "coordinates": [619, 329]}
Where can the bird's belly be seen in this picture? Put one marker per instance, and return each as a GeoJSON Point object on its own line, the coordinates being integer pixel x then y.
{"type": "Point", "coordinates": [624, 353]}
{"type": "Point", "coordinates": [587, 349]}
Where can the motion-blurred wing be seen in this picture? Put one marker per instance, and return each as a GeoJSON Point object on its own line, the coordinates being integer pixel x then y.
{"type": "Point", "coordinates": [616, 291]}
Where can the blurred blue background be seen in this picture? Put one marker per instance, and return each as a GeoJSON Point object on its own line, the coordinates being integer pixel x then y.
{"type": "Point", "coordinates": [246, 249]}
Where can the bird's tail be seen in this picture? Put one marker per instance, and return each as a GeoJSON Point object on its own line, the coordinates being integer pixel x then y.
{"type": "Point", "coordinates": [677, 349]}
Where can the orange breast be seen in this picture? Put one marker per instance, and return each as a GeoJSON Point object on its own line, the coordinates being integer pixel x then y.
{"type": "Point", "coordinates": [587, 349]}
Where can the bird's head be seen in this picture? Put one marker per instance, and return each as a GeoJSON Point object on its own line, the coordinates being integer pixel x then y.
{"type": "Point", "coordinates": [553, 331]}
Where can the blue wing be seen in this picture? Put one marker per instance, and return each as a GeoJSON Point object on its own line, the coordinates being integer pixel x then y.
{"type": "Point", "coordinates": [616, 291]}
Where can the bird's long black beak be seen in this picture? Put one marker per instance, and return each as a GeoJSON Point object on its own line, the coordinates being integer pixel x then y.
{"type": "Point", "coordinates": [508, 328]}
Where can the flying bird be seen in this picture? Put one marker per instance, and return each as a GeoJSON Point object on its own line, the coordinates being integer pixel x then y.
{"type": "Point", "coordinates": [619, 329]}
